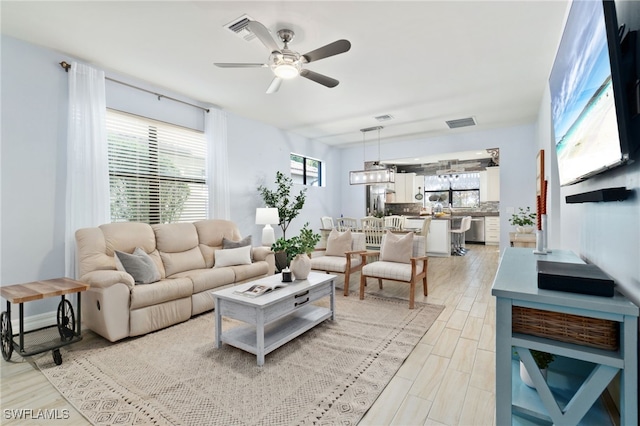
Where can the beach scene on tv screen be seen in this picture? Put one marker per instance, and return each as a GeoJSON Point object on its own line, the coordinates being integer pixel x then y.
{"type": "Point", "coordinates": [582, 100]}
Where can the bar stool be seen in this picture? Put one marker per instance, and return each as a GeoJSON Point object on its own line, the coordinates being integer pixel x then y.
{"type": "Point", "coordinates": [457, 237]}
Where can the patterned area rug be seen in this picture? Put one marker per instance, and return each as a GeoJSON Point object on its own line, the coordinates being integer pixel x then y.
{"type": "Point", "coordinates": [331, 374]}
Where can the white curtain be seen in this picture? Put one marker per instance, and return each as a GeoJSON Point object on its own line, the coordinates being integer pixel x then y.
{"type": "Point", "coordinates": [87, 200]}
{"type": "Point", "coordinates": [215, 127]}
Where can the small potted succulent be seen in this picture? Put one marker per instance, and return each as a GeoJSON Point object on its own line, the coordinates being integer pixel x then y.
{"type": "Point", "coordinates": [542, 359]}
{"type": "Point", "coordinates": [523, 220]}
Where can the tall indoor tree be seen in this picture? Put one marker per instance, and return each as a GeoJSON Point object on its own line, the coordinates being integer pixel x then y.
{"type": "Point", "coordinates": [288, 206]}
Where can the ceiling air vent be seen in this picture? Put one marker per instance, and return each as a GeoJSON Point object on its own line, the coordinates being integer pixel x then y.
{"type": "Point", "coordinates": [385, 117]}
{"type": "Point", "coordinates": [239, 27]}
{"type": "Point", "coordinates": [462, 122]}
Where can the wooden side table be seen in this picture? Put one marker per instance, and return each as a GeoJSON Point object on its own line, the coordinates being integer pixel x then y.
{"type": "Point", "coordinates": [68, 329]}
{"type": "Point", "coordinates": [522, 240]}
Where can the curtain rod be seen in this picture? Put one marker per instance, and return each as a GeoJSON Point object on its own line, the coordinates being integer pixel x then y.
{"type": "Point", "coordinates": [67, 65]}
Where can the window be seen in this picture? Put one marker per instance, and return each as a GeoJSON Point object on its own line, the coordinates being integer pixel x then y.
{"type": "Point", "coordinates": [306, 171]}
{"type": "Point", "coordinates": [461, 190]}
{"type": "Point", "coordinates": [156, 170]}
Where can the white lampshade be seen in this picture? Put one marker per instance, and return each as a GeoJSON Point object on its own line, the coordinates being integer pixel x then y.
{"type": "Point", "coordinates": [267, 217]}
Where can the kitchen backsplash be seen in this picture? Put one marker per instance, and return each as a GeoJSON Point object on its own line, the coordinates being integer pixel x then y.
{"type": "Point", "coordinates": [489, 206]}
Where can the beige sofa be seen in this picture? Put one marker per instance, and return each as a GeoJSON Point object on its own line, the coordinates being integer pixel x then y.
{"type": "Point", "coordinates": [116, 307]}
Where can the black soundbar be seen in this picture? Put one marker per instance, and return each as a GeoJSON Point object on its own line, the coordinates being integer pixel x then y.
{"type": "Point", "coordinates": [605, 194]}
{"type": "Point", "coordinates": [582, 278]}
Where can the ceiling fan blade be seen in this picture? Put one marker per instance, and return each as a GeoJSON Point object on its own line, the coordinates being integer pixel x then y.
{"type": "Point", "coordinates": [275, 85]}
{"type": "Point", "coordinates": [319, 78]}
{"type": "Point", "coordinates": [264, 35]}
{"type": "Point", "coordinates": [238, 65]}
{"type": "Point", "coordinates": [330, 49]}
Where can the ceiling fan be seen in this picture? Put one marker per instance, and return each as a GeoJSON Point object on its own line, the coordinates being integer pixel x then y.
{"type": "Point", "coordinates": [286, 63]}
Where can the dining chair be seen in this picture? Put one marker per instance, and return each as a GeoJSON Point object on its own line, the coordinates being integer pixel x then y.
{"type": "Point", "coordinates": [393, 222]}
{"type": "Point", "coordinates": [327, 222]}
{"type": "Point", "coordinates": [373, 229]}
{"type": "Point", "coordinates": [347, 223]}
{"type": "Point", "coordinates": [402, 259]}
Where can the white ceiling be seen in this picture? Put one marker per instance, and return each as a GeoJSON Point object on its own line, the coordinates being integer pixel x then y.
{"type": "Point", "coordinates": [423, 62]}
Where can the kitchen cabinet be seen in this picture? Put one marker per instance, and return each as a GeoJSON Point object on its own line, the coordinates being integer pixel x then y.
{"type": "Point", "coordinates": [490, 184]}
{"type": "Point", "coordinates": [405, 187]}
{"type": "Point", "coordinates": [492, 230]}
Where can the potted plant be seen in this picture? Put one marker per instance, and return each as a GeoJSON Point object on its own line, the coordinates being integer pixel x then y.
{"type": "Point", "coordinates": [280, 198]}
{"type": "Point", "coordinates": [542, 359]}
{"type": "Point", "coordinates": [298, 249]}
{"type": "Point", "coordinates": [523, 220]}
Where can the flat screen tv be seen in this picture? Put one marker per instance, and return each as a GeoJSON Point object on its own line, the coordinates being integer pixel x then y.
{"type": "Point", "coordinates": [587, 94]}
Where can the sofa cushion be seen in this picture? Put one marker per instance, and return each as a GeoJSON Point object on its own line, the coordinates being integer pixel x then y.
{"type": "Point", "coordinates": [231, 257]}
{"type": "Point", "coordinates": [183, 261]}
{"type": "Point", "coordinates": [91, 251]}
{"type": "Point", "coordinates": [333, 263]}
{"type": "Point", "coordinates": [338, 243]}
{"type": "Point", "coordinates": [126, 236]}
{"type": "Point", "coordinates": [208, 279]}
{"type": "Point", "coordinates": [175, 237]}
{"type": "Point", "coordinates": [139, 265]}
{"type": "Point", "coordinates": [397, 248]}
{"type": "Point", "coordinates": [246, 272]}
{"type": "Point", "coordinates": [391, 270]}
{"type": "Point", "coordinates": [159, 292]}
{"type": "Point", "coordinates": [212, 231]}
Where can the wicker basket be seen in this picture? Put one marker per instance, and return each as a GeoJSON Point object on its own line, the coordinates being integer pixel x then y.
{"type": "Point", "coordinates": [594, 332]}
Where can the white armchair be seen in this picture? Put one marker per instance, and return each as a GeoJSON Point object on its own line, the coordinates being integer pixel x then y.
{"type": "Point", "coordinates": [342, 255]}
{"type": "Point", "coordinates": [402, 258]}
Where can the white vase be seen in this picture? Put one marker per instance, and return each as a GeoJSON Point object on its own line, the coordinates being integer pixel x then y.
{"type": "Point", "coordinates": [301, 266]}
{"type": "Point", "coordinates": [524, 229]}
{"type": "Point", "coordinates": [526, 378]}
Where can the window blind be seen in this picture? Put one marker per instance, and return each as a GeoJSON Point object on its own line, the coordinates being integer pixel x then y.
{"type": "Point", "coordinates": [156, 170]}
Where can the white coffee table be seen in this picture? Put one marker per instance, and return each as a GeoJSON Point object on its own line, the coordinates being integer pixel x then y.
{"type": "Point", "coordinates": [273, 318]}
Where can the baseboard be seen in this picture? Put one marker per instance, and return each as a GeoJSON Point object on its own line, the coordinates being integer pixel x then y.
{"type": "Point", "coordinates": [34, 322]}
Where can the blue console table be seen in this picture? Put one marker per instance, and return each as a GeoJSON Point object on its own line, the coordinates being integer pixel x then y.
{"type": "Point", "coordinates": [516, 285]}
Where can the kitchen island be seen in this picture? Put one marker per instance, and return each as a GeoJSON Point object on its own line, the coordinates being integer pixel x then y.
{"type": "Point", "coordinates": [439, 236]}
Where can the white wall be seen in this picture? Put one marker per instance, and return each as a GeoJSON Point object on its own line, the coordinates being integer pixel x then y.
{"type": "Point", "coordinates": [33, 164]}
{"type": "Point", "coordinates": [257, 151]}
{"type": "Point", "coordinates": [606, 234]}
{"type": "Point", "coordinates": [518, 152]}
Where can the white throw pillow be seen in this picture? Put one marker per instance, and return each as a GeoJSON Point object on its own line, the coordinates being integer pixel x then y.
{"type": "Point", "coordinates": [338, 243]}
{"type": "Point", "coordinates": [397, 248]}
{"type": "Point", "coordinates": [232, 257]}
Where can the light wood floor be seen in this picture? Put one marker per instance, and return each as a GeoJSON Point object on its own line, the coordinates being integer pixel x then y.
{"type": "Point", "coordinates": [449, 378]}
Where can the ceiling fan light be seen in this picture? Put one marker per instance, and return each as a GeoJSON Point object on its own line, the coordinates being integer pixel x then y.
{"type": "Point", "coordinates": [286, 71]}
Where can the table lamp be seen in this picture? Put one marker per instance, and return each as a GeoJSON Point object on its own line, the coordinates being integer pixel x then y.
{"type": "Point", "coordinates": [267, 217]}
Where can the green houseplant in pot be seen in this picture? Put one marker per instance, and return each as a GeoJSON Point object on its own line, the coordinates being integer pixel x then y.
{"type": "Point", "coordinates": [524, 220]}
{"type": "Point", "coordinates": [542, 359]}
{"type": "Point", "coordinates": [288, 206]}
{"type": "Point", "coordinates": [298, 250]}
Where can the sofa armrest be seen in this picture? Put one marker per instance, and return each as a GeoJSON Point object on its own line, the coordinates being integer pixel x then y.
{"type": "Point", "coordinates": [261, 252]}
{"type": "Point", "coordinates": [265, 254]}
{"type": "Point", "coordinates": [107, 278]}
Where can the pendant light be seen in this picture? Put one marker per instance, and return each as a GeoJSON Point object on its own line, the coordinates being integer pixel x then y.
{"type": "Point", "coordinates": [377, 174]}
